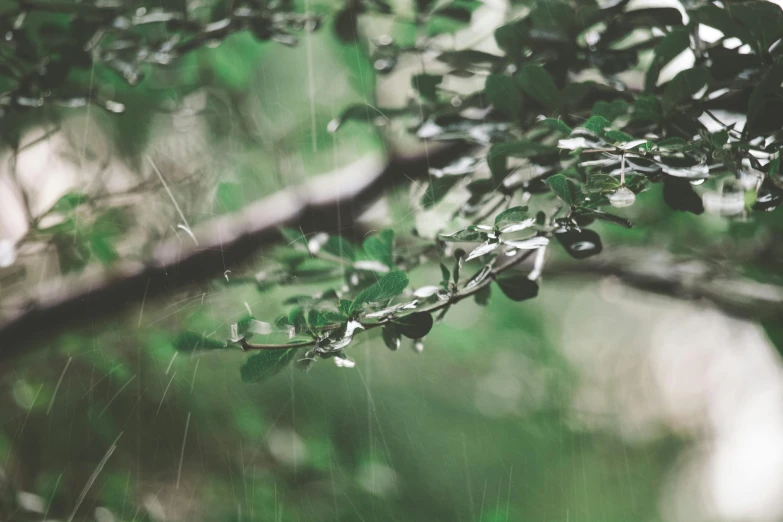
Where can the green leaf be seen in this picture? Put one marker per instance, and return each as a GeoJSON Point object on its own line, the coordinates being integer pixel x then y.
{"type": "Point", "coordinates": [502, 92]}
{"type": "Point", "coordinates": [557, 125]}
{"type": "Point", "coordinates": [427, 85]}
{"type": "Point", "coordinates": [103, 249]}
{"type": "Point", "coordinates": [610, 111]}
{"type": "Point", "coordinates": [580, 244]}
{"type": "Point", "coordinates": [265, 364]}
{"type": "Point", "coordinates": [482, 295]}
{"type": "Point", "coordinates": [437, 190]}
{"type": "Point", "coordinates": [615, 136]}
{"type": "Point", "coordinates": [537, 83]}
{"type": "Point", "coordinates": [340, 247]}
{"type": "Point", "coordinates": [759, 103]}
{"type": "Point", "coordinates": [415, 325]}
{"type": "Point", "coordinates": [391, 337]}
{"type": "Point", "coordinates": [565, 189]}
{"type": "Point", "coordinates": [472, 233]}
{"type": "Point", "coordinates": [774, 167]}
{"type": "Point", "coordinates": [511, 216]}
{"type": "Point", "coordinates": [69, 202]}
{"type": "Point", "coordinates": [379, 247]}
{"type": "Point", "coordinates": [516, 286]}
{"type": "Point", "coordinates": [387, 287]}
{"type": "Point", "coordinates": [230, 197]}
{"type": "Point", "coordinates": [683, 86]}
{"type": "Point", "coordinates": [670, 46]}
{"type": "Point", "coordinates": [193, 342]}
{"type": "Point", "coordinates": [597, 124]}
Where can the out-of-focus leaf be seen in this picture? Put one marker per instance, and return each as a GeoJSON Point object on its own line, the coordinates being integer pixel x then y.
{"type": "Point", "coordinates": [537, 83]}
{"type": "Point", "coordinates": [516, 286]}
{"type": "Point", "coordinates": [194, 342]}
{"type": "Point", "coordinates": [503, 93]}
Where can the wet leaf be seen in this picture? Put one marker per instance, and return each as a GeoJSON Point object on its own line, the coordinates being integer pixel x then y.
{"type": "Point", "coordinates": [565, 189]}
{"type": "Point", "coordinates": [391, 337]}
{"type": "Point", "coordinates": [339, 247]}
{"type": "Point", "coordinates": [387, 287]}
{"type": "Point", "coordinates": [511, 216]}
{"type": "Point", "coordinates": [415, 325]}
{"type": "Point", "coordinates": [194, 342]}
{"type": "Point", "coordinates": [679, 195]}
{"type": "Point", "coordinates": [472, 233]}
{"type": "Point", "coordinates": [427, 85]}
{"type": "Point", "coordinates": [437, 190]}
{"type": "Point", "coordinates": [265, 364]}
{"type": "Point", "coordinates": [516, 286]}
{"type": "Point", "coordinates": [482, 250]}
{"type": "Point", "coordinates": [580, 244]}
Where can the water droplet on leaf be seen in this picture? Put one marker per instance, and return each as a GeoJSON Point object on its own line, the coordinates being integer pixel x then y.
{"type": "Point", "coordinates": [624, 197]}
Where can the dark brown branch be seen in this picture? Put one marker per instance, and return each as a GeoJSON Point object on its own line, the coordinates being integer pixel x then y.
{"type": "Point", "coordinates": [329, 203]}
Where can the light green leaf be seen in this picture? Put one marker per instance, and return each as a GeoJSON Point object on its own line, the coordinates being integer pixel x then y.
{"type": "Point", "coordinates": [379, 247]}
{"type": "Point", "coordinates": [387, 287]}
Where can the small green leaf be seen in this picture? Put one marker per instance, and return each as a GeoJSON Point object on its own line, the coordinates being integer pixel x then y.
{"type": "Point", "coordinates": [511, 216]}
{"type": "Point", "coordinates": [580, 244]}
{"type": "Point", "coordinates": [193, 342]}
{"type": "Point", "coordinates": [616, 136]}
{"type": "Point", "coordinates": [415, 325]}
{"type": "Point", "coordinates": [391, 337]}
{"type": "Point", "coordinates": [597, 124]}
{"type": "Point", "coordinates": [516, 286]}
{"type": "Point", "coordinates": [557, 125]}
{"type": "Point", "coordinates": [472, 233]}
{"type": "Point", "coordinates": [565, 189]}
{"type": "Point", "coordinates": [387, 287]}
{"type": "Point", "coordinates": [265, 364]}
{"type": "Point", "coordinates": [774, 166]}
{"type": "Point", "coordinates": [498, 154]}
{"type": "Point", "coordinates": [502, 92]}
{"type": "Point", "coordinates": [537, 83]}
{"type": "Point", "coordinates": [69, 202]}
{"type": "Point", "coordinates": [379, 247]}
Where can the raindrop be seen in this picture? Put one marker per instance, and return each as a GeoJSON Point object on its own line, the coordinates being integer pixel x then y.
{"type": "Point", "coordinates": [624, 197]}
{"type": "Point", "coordinates": [418, 345]}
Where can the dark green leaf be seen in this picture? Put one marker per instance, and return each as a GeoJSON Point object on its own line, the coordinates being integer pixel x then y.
{"type": "Point", "coordinates": [517, 287]}
{"type": "Point", "coordinates": [536, 82]}
{"type": "Point", "coordinates": [670, 46]}
{"type": "Point", "coordinates": [580, 244]}
{"type": "Point", "coordinates": [482, 295]}
{"type": "Point", "coordinates": [437, 190]}
{"type": "Point", "coordinates": [415, 325]}
{"type": "Point", "coordinates": [502, 92]}
{"type": "Point", "coordinates": [767, 92]}
{"type": "Point", "coordinates": [387, 287]}
{"type": "Point", "coordinates": [193, 342]}
{"type": "Point", "coordinates": [557, 125]}
{"type": "Point", "coordinates": [265, 364]}
{"type": "Point", "coordinates": [679, 195]}
{"type": "Point", "coordinates": [497, 157]}
{"type": "Point", "coordinates": [427, 85]}
{"type": "Point", "coordinates": [597, 125]}
{"type": "Point", "coordinates": [683, 87]}
{"type": "Point", "coordinates": [391, 337]}
{"type": "Point", "coordinates": [565, 189]}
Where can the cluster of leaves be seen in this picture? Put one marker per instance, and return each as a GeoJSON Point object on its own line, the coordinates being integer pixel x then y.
{"type": "Point", "coordinates": [562, 130]}
{"type": "Point", "coordinates": [52, 51]}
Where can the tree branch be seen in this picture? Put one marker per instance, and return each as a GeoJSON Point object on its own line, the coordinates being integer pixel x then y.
{"type": "Point", "coordinates": [330, 202]}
